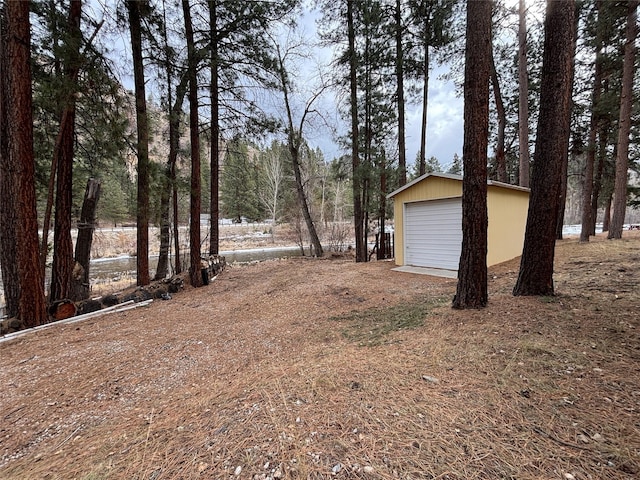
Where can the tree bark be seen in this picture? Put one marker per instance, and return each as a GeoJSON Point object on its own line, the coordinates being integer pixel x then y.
{"type": "Point", "coordinates": [624, 124]}
{"type": "Point", "coordinates": [562, 201]}
{"type": "Point", "coordinates": [501, 162]}
{"type": "Point", "coordinates": [8, 217]}
{"type": "Point", "coordinates": [422, 163]}
{"type": "Point", "coordinates": [80, 285]}
{"type": "Point", "coordinates": [587, 186]}
{"type": "Point", "coordinates": [471, 291]}
{"type": "Point", "coordinates": [402, 150]}
{"type": "Point", "coordinates": [21, 163]}
{"type": "Point", "coordinates": [523, 97]}
{"type": "Point", "coordinates": [142, 217]}
{"type": "Point", "coordinates": [552, 140]}
{"type": "Point", "coordinates": [358, 213]}
{"type": "Point", "coordinates": [214, 205]}
{"type": "Point", "coordinates": [62, 269]}
{"type": "Point", "coordinates": [195, 274]}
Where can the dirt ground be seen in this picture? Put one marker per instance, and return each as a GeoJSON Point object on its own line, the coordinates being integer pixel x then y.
{"type": "Point", "coordinates": [326, 368]}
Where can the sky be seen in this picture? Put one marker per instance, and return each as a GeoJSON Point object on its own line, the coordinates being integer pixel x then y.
{"type": "Point", "coordinates": [444, 112]}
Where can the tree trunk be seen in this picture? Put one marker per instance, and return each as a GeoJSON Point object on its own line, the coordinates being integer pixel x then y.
{"type": "Point", "coordinates": [565, 153]}
{"type": "Point", "coordinates": [214, 205]}
{"type": "Point", "coordinates": [195, 274]}
{"type": "Point", "coordinates": [358, 214]}
{"type": "Point", "coordinates": [62, 269]}
{"type": "Point", "coordinates": [142, 217]}
{"type": "Point", "coordinates": [552, 140]}
{"type": "Point", "coordinates": [8, 217]}
{"type": "Point", "coordinates": [624, 125]}
{"type": "Point", "coordinates": [80, 284]}
{"type": "Point", "coordinates": [501, 162]}
{"type": "Point", "coordinates": [587, 186]}
{"type": "Point", "coordinates": [471, 291]}
{"type": "Point", "coordinates": [294, 142]}
{"type": "Point", "coordinates": [382, 212]}
{"type": "Point", "coordinates": [603, 135]}
{"type": "Point", "coordinates": [422, 167]}
{"type": "Point", "coordinates": [523, 97]}
{"type": "Point", "coordinates": [21, 165]}
{"type": "Point", "coordinates": [606, 217]}
{"type": "Point", "coordinates": [175, 111]}
{"type": "Point", "coordinates": [402, 151]}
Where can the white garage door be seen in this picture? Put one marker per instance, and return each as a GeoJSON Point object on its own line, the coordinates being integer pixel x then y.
{"type": "Point", "coordinates": [433, 233]}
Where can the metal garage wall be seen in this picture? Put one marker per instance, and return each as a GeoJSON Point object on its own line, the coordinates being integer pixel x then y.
{"type": "Point", "coordinates": [433, 233]}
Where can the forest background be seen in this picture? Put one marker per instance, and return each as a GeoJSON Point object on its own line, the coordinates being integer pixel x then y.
{"type": "Point", "coordinates": [224, 106]}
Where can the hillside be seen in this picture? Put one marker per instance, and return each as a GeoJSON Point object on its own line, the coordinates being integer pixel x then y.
{"type": "Point", "coordinates": [329, 369]}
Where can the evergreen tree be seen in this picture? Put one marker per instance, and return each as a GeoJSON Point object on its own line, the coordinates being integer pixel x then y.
{"type": "Point", "coordinates": [552, 139]}
{"type": "Point", "coordinates": [18, 164]}
{"type": "Point", "coordinates": [135, 9]}
{"type": "Point", "coordinates": [238, 188]}
{"type": "Point", "coordinates": [471, 291]}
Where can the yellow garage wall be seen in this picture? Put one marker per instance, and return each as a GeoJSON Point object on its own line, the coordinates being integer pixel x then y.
{"type": "Point", "coordinates": [507, 208]}
{"type": "Point", "coordinates": [507, 211]}
{"type": "Point", "coordinates": [428, 188]}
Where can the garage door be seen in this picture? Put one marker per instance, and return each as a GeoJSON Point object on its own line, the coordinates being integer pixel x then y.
{"type": "Point", "coordinates": [433, 233]}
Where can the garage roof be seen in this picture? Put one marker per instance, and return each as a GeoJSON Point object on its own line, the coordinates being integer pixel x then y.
{"type": "Point", "coordinates": [452, 177]}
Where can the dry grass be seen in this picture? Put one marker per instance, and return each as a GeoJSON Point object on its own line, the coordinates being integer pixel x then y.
{"type": "Point", "coordinates": [330, 369]}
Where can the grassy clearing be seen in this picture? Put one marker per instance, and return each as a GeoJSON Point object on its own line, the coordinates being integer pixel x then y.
{"type": "Point", "coordinates": [372, 327]}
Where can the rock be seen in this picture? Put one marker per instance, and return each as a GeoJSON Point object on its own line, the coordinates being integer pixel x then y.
{"type": "Point", "coordinates": [238, 470]}
{"type": "Point", "coordinates": [430, 379]}
{"type": "Point", "coordinates": [337, 468]}
{"type": "Point", "coordinates": [368, 469]}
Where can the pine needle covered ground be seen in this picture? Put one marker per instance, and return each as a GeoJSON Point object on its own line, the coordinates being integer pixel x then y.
{"type": "Point", "coordinates": [330, 369]}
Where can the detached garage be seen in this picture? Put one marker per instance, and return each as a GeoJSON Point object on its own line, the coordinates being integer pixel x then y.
{"type": "Point", "coordinates": [428, 221]}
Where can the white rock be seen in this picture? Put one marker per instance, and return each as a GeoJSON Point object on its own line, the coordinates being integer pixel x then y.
{"type": "Point", "coordinates": [238, 470]}
{"type": "Point", "coordinates": [337, 468]}
{"type": "Point", "coordinates": [430, 379]}
{"type": "Point", "coordinates": [369, 469]}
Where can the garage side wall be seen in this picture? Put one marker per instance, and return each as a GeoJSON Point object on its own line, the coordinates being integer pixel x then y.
{"type": "Point", "coordinates": [428, 189]}
{"type": "Point", "coordinates": [507, 212]}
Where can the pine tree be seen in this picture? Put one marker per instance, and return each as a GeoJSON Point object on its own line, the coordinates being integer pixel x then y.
{"type": "Point", "coordinates": [552, 140]}
{"type": "Point", "coordinates": [471, 290]}
{"type": "Point", "coordinates": [18, 165]}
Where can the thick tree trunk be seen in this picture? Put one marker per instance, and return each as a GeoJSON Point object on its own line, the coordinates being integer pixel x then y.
{"type": "Point", "coordinates": [523, 97]}
{"type": "Point", "coordinates": [471, 291]}
{"type": "Point", "coordinates": [195, 274]}
{"type": "Point", "coordinates": [358, 213]}
{"type": "Point", "coordinates": [8, 214]}
{"type": "Point", "coordinates": [62, 269]}
{"type": "Point", "coordinates": [21, 171]}
{"type": "Point", "coordinates": [402, 151]}
{"type": "Point", "coordinates": [552, 140]}
{"type": "Point", "coordinates": [142, 217]}
{"type": "Point", "coordinates": [624, 125]}
{"type": "Point", "coordinates": [80, 284]}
